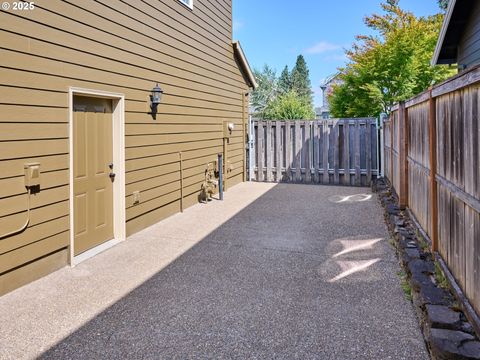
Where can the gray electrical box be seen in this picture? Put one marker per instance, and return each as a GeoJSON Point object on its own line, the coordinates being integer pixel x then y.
{"type": "Point", "coordinates": [32, 174]}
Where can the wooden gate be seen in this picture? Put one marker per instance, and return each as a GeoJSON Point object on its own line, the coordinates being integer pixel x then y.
{"type": "Point", "coordinates": [333, 151]}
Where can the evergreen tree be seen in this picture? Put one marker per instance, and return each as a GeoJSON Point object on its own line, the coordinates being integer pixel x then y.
{"type": "Point", "coordinates": [443, 4]}
{"type": "Point", "coordinates": [300, 80]}
{"type": "Point", "coordinates": [284, 82]}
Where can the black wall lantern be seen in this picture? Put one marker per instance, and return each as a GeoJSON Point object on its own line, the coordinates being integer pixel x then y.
{"type": "Point", "coordinates": [155, 99]}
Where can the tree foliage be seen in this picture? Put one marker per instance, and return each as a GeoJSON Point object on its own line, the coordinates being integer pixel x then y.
{"type": "Point", "coordinates": [284, 81]}
{"type": "Point", "coordinates": [288, 106]}
{"type": "Point", "coordinates": [443, 4]}
{"type": "Point", "coordinates": [266, 90]}
{"type": "Point", "coordinates": [286, 97]}
{"type": "Point", "coordinates": [389, 67]}
{"type": "Point", "coordinates": [300, 80]}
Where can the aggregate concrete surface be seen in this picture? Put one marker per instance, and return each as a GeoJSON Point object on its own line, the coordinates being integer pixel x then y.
{"type": "Point", "coordinates": [302, 272]}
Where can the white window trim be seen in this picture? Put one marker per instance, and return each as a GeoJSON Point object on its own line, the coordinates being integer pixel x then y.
{"type": "Point", "coordinates": [187, 3]}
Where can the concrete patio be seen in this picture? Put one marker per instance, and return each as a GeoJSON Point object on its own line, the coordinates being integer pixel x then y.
{"type": "Point", "coordinates": [274, 271]}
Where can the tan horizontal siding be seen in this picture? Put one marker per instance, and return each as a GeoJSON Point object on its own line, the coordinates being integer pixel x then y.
{"type": "Point", "coordinates": [54, 82]}
{"type": "Point", "coordinates": [215, 17]}
{"type": "Point", "coordinates": [38, 249]}
{"type": "Point", "coordinates": [73, 64]}
{"type": "Point", "coordinates": [25, 113]}
{"type": "Point", "coordinates": [32, 271]}
{"type": "Point", "coordinates": [27, 149]}
{"type": "Point", "coordinates": [16, 186]}
{"type": "Point", "coordinates": [130, 44]}
{"type": "Point", "coordinates": [14, 168]}
{"type": "Point", "coordinates": [35, 233]}
{"type": "Point", "coordinates": [122, 47]}
{"type": "Point", "coordinates": [11, 131]}
{"type": "Point", "coordinates": [143, 163]}
{"type": "Point", "coordinates": [37, 216]}
{"type": "Point", "coordinates": [17, 203]}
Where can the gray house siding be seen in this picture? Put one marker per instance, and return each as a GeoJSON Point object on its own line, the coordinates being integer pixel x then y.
{"type": "Point", "coordinates": [469, 45]}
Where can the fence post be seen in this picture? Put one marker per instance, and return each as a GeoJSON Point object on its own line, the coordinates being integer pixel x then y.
{"type": "Point", "coordinates": [403, 154]}
{"type": "Point", "coordinates": [432, 135]}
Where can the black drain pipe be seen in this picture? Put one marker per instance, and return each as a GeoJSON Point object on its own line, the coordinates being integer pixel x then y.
{"type": "Point", "coordinates": [220, 176]}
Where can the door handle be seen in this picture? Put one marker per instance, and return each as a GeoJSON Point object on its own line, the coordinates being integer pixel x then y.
{"type": "Point", "coordinates": [112, 176]}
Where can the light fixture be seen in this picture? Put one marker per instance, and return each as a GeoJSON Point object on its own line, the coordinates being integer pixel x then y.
{"type": "Point", "coordinates": [155, 99]}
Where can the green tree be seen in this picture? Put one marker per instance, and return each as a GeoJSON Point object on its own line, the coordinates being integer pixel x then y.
{"type": "Point", "coordinates": [284, 81]}
{"type": "Point", "coordinates": [389, 67]}
{"type": "Point", "coordinates": [300, 80]}
{"type": "Point", "coordinates": [443, 4]}
{"type": "Point", "coordinates": [266, 90]}
{"type": "Point", "coordinates": [289, 106]}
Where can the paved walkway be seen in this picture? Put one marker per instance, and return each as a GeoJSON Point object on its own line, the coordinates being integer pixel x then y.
{"type": "Point", "coordinates": [286, 271]}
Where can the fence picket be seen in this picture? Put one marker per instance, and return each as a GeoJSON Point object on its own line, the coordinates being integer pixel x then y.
{"type": "Point", "coordinates": [260, 151]}
{"type": "Point", "coordinates": [269, 152]}
{"type": "Point", "coordinates": [326, 136]}
{"type": "Point", "coordinates": [307, 148]}
{"type": "Point", "coordinates": [357, 155]}
{"type": "Point", "coordinates": [298, 152]}
{"type": "Point", "coordinates": [316, 152]}
{"type": "Point", "coordinates": [336, 155]}
{"type": "Point", "coordinates": [346, 152]}
{"type": "Point", "coordinates": [287, 152]}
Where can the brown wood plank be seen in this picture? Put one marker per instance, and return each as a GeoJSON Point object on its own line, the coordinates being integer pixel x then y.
{"type": "Point", "coordinates": [269, 142]}
{"type": "Point", "coordinates": [336, 155]}
{"type": "Point", "coordinates": [326, 145]}
{"type": "Point", "coordinates": [402, 150]}
{"type": "Point", "coordinates": [368, 150]}
{"type": "Point", "coordinates": [260, 151]}
{"type": "Point", "coordinates": [278, 150]}
{"type": "Point", "coordinates": [288, 151]}
{"type": "Point", "coordinates": [358, 176]}
{"type": "Point", "coordinates": [346, 153]}
{"type": "Point", "coordinates": [316, 151]}
{"type": "Point", "coordinates": [298, 151]}
{"type": "Point", "coordinates": [432, 147]}
{"type": "Point", "coordinates": [307, 152]}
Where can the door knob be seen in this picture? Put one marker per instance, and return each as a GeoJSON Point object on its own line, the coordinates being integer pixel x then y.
{"type": "Point", "coordinates": [112, 176]}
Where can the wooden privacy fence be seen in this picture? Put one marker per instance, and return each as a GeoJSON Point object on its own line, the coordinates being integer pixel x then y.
{"type": "Point", "coordinates": [333, 151]}
{"type": "Point", "coordinates": [432, 158]}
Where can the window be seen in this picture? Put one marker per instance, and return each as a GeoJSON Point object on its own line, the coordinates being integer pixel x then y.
{"type": "Point", "coordinates": [188, 3]}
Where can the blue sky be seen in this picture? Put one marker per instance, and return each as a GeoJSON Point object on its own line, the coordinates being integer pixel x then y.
{"type": "Point", "coordinates": [274, 32]}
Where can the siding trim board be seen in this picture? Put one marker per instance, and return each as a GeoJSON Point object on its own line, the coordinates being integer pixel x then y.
{"type": "Point", "coordinates": [119, 211]}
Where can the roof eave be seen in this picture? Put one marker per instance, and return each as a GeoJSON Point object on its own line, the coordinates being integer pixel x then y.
{"type": "Point", "coordinates": [443, 32]}
{"type": "Point", "coordinates": [244, 63]}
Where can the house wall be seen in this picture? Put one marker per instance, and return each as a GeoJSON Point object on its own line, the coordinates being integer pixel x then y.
{"type": "Point", "coordinates": [469, 44]}
{"type": "Point", "coordinates": [123, 47]}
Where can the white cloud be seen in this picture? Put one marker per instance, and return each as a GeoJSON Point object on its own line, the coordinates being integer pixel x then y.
{"type": "Point", "coordinates": [322, 47]}
{"type": "Point", "coordinates": [337, 57]}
